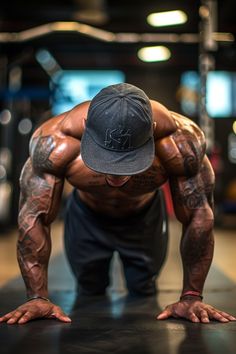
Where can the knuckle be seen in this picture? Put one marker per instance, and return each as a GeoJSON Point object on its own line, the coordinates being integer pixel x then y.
{"type": "Point", "coordinates": [192, 316]}
{"type": "Point", "coordinates": [215, 313]}
{"type": "Point", "coordinates": [16, 314]}
{"type": "Point", "coordinates": [27, 315]}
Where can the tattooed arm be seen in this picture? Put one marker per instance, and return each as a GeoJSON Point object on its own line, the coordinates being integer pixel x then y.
{"type": "Point", "coordinates": [192, 193]}
{"type": "Point", "coordinates": [192, 199]}
{"type": "Point", "coordinates": [40, 196]}
{"type": "Point", "coordinates": [41, 185]}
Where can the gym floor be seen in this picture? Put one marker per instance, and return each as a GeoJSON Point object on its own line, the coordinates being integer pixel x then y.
{"type": "Point", "coordinates": [117, 323]}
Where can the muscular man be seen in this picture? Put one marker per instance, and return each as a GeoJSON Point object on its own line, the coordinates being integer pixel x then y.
{"type": "Point", "coordinates": [117, 151]}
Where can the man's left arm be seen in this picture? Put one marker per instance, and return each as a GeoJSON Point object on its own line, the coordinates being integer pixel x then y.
{"type": "Point", "coordinates": [193, 204]}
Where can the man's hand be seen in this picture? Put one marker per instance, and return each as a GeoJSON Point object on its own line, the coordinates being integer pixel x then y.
{"type": "Point", "coordinates": [37, 308]}
{"type": "Point", "coordinates": [194, 311]}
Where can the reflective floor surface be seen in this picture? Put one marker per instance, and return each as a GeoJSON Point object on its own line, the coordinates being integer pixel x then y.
{"type": "Point", "coordinates": [117, 323]}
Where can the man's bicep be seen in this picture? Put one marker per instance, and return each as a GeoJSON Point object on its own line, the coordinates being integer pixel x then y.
{"type": "Point", "coordinates": [40, 196]}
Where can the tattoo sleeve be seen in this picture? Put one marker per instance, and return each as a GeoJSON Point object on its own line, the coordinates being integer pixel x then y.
{"type": "Point", "coordinates": [192, 199]}
{"type": "Point", "coordinates": [39, 201]}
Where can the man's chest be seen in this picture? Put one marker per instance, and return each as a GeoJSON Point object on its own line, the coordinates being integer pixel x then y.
{"type": "Point", "coordinates": [86, 180]}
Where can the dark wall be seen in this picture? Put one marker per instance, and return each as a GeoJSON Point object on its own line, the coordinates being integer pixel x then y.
{"type": "Point", "coordinates": [159, 85]}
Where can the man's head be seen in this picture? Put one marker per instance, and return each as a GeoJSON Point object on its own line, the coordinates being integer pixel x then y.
{"type": "Point", "coordinates": [118, 138]}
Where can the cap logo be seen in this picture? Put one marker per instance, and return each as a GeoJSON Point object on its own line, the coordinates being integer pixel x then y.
{"type": "Point", "coordinates": [118, 139]}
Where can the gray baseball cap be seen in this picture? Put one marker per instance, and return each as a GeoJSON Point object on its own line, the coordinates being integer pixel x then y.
{"type": "Point", "coordinates": [118, 138]}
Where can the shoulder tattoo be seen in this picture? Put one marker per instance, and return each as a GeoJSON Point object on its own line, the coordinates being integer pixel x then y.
{"type": "Point", "coordinates": [192, 160]}
{"type": "Point", "coordinates": [191, 151]}
{"type": "Point", "coordinates": [42, 149]}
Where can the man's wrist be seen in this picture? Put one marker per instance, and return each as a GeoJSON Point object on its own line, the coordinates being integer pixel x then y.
{"type": "Point", "coordinates": [35, 297]}
{"type": "Point", "coordinates": [190, 295]}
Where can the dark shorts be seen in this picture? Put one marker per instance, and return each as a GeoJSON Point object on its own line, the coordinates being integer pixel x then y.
{"type": "Point", "coordinates": [91, 239]}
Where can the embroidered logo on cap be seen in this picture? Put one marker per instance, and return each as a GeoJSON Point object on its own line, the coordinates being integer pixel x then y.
{"type": "Point", "coordinates": [118, 139]}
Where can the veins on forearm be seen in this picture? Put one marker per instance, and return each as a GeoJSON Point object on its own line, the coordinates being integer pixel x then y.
{"type": "Point", "coordinates": [196, 245]}
{"type": "Point", "coordinates": [33, 255]}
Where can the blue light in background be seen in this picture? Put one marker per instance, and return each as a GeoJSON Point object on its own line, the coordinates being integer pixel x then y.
{"type": "Point", "coordinates": [71, 87]}
{"type": "Point", "coordinates": [220, 93]}
{"type": "Point", "coordinates": [219, 100]}
{"type": "Point", "coordinates": [189, 92]}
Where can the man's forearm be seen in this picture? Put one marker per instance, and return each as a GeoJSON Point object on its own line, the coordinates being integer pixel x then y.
{"type": "Point", "coordinates": [197, 246]}
{"type": "Point", "coordinates": [33, 252]}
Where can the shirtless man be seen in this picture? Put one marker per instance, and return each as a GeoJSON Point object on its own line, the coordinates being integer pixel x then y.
{"type": "Point", "coordinates": [117, 151]}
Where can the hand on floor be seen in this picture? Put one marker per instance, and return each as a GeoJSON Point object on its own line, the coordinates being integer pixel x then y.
{"type": "Point", "coordinates": [195, 311]}
{"type": "Point", "coordinates": [37, 308]}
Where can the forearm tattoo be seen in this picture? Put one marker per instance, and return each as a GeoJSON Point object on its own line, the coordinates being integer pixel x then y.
{"type": "Point", "coordinates": [34, 244]}
{"type": "Point", "coordinates": [197, 247]}
{"type": "Point", "coordinates": [37, 182]}
{"type": "Point", "coordinates": [196, 244]}
{"type": "Point", "coordinates": [39, 201]}
{"type": "Point", "coordinates": [36, 194]}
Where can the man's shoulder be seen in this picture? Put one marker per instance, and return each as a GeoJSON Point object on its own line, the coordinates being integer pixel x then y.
{"type": "Point", "coordinates": [73, 124]}
{"type": "Point", "coordinates": [188, 129]}
{"type": "Point", "coordinates": [51, 153]}
{"type": "Point", "coordinates": [56, 142]}
{"type": "Point", "coordinates": [164, 124]}
{"type": "Point", "coordinates": [182, 151]}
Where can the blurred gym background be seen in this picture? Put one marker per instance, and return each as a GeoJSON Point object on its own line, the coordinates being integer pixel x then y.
{"type": "Point", "coordinates": [56, 54]}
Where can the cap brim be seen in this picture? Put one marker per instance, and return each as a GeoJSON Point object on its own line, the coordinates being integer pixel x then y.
{"type": "Point", "coordinates": [116, 163]}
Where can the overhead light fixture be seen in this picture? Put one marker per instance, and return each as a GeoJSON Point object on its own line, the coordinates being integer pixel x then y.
{"type": "Point", "coordinates": [154, 53]}
{"type": "Point", "coordinates": [167, 18]}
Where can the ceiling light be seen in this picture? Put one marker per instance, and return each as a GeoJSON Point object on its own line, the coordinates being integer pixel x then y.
{"type": "Point", "coordinates": [155, 53]}
{"type": "Point", "coordinates": [167, 18]}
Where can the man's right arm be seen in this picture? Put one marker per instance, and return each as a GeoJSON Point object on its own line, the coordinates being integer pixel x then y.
{"type": "Point", "coordinates": [41, 185]}
{"type": "Point", "coordinates": [39, 201]}
{"type": "Point", "coordinates": [39, 196]}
